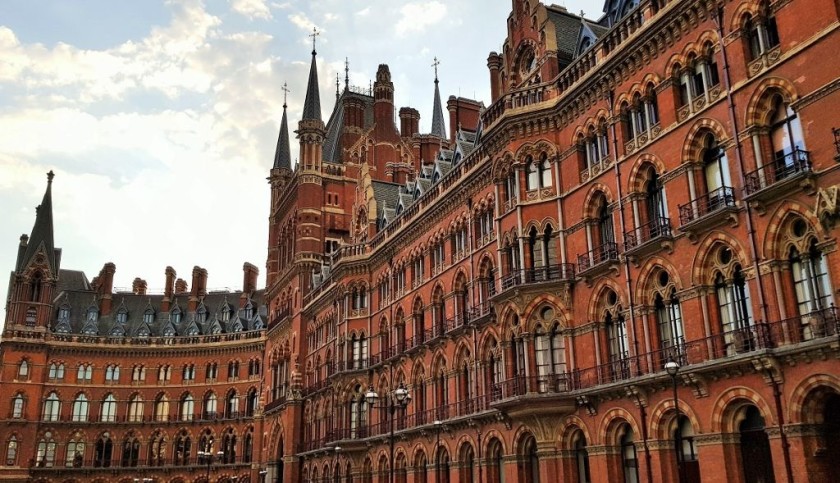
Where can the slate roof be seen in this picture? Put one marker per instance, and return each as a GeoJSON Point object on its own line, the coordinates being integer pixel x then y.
{"type": "Point", "coordinates": [567, 27]}
{"type": "Point", "coordinates": [42, 233]}
{"type": "Point", "coordinates": [283, 155]}
{"type": "Point", "coordinates": [331, 152]}
{"type": "Point", "coordinates": [312, 104]}
{"type": "Point", "coordinates": [81, 302]}
{"type": "Point", "coordinates": [438, 126]}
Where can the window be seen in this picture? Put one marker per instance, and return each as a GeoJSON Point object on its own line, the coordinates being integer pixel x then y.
{"type": "Point", "coordinates": [210, 406]}
{"type": "Point", "coordinates": [84, 373]}
{"type": "Point", "coordinates": [12, 451]}
{"type": "Point", "coordinates": [581, 458]}
{"type": "Point", "coordinates": [80, 408]}
{"type": "Point", "coordinates": [188, 373]}
{"type": "Point", "coordinates": [248, 447]}
{"type": "Point", "coordinates": [164, 373]}
{"type": "Point", "coordinates": [232, 404]}
{"type": "Point", "coordinates": [64, 312]}
{"type": "Point", "coordinates": [187, 407]}
{"type": "Point", "coordinates": [669, 319]}
{"type": "Point", "coordinates": [251, 403]}
{"type": "Point", "coordinates": [359, 346]}
{"type": "Point", "coordinates": [108, 411]}
{"type": "Point", "coordinates": [157, 449]}
{"type": "Point", "coordinates": [135, 408]}
{"type": "Point", "coordinates": [31, 317]}
{"type": "Point", "coordinates": [162, 408]}
{"type": "Point", "coordinates": [629, 461]}
{"type": "Point", "coordinates": [122, 316]}
{"type": "Point", "coordinates": [56, 371]}
{"type": "Point", "coordinates": [182, 448]}
{"type": "Point", "coordinates": [45, 453]}
{"type": "Point", "coordinates": [211, 371]}
{"type": "Point", "coordinates": [735, 311]}
{"type": "Point", "coordinates": [175, 316]}
{"type": "Point", "coordinates": [358, 414]}
{"type": "Point", "coordinates": [17, 406]}
{"type": "Point", "coordinates": [23, 370]}
{"type": "Point", "coordinates": [103, 451]}
{"type": "Point", "coordinates": [716, 173]}
{"type": "Point", "coordinates": [149, 316]}
{"type": "Point", "coordinates": [52, 408]}
{"type": "Point", "coordinates": [511, 189]}
{"type": "Point", "coordinates": [233, 370]}
{"type": "Point", "coordinates": [229, 447]}
{"type": "Point", "coordinates": [130, 451]}
{"type": "Point", "coordinates": [75, 455]}
{"type": "Point", "coordinates": [762, 34]}
{"type": "Point", "coordinates": [138, 374]}
{"type": "Point", "coordinates": [786, 139]}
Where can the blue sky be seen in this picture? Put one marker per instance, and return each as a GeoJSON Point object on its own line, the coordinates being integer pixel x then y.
{"type": "Point", "coordinates": [160, 117]}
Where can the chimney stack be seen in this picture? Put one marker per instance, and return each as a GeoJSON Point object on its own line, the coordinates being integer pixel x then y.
{"type": "Point", "coordinates": [180, 286]}
{"type": "Point", "coordinates": [168, 289]}
{"type": "Point", "coordinates": [249, 278]}
{"type": "Point", "coordinates": [409, 122]}
{"type": "Point", "coordinates": [494, 63]}
{"type": "Point", "coordinates": [199, 287]}
{"type": "Point", "coordinates": [105, 287]}
{"type": "Point", "coordinates": [138, 286]}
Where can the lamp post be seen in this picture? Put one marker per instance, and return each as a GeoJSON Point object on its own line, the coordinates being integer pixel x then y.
{"type": "Point", "coordinates": [438, 424]}
{"type": "Point", "coordinates": [208, 459]}
{"type": "Point", "coordinates": [263, 473]}
{"type": "Point", "coordinates": [398, 399]}
{"type": "Point", "coordinates": [672, 367]}
{"type": "Point", "coordinates": [337, 450]}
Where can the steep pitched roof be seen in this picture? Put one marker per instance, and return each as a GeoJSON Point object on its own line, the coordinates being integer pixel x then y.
{"type": "Point", "coordinates": [567, 29]}
{"type": "Point", "coordinates": [438, 126]}
{"type": "Point", "coordinates": [283, 155]}
{"type": "Point", "coordinates": [332, 141]}
{"type": "Point", "coordinates": [312, 104]}
{"type": "Point", "coordinates": [42, 232]}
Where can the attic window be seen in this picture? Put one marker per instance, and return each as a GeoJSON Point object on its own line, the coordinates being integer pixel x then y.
{"type": "Point", "coordinates": [64, 313]}
{"type": "Point", "coordinates": [149, 316]}
{"type": "Point", "coordinates": [585, 44]}
{"type": "Point", "coordinates": [122, 316]}
{"type": "Point", "coordinates": [92, 314]}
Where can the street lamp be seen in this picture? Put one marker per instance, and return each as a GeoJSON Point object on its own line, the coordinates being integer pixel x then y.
{"type": "Point", "coordinates": [672, 367]}
{"type": "Point", "coordinates": [399, 399]}
{"type": "Point", "coordinates": [207, 456]}
{"type": "Point", "coordinates": [337, 450]}
{"type": "Point", "coordinates": [438, 425]}
{"type": "Point", "coordinates": [263, 472]}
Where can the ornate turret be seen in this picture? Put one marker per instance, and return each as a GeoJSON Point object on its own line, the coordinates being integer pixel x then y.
{"type": "Point", "coordinates": [311, 130]}
{"type": "Point", "coordinates": [283, 155]}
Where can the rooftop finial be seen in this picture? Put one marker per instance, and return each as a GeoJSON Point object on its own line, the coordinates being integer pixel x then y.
{"type": "Point", "coordinates": [346, 72]}
{"type": "Point", "coordinates": [435, 65]}
{"type": "Point", "coordinates": [50, 177]}
{"type": "Point", "coordinates": [337, 86]}
{"type": "Point", "coordinates": [286, 91]}
{"type": "Point", "coordinates": [314, 35]}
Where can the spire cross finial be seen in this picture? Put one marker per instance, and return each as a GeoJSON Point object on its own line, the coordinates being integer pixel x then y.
{"type": "Point", "coordinates": [314, 35]}
{"type": "Point", "coordinates": [435, 65]}
{"type": "Point", "coordinates": [346, 71]}
{"type": "Point", "coordinates": [286, 91]}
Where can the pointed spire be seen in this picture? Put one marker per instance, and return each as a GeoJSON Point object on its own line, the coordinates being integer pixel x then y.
{"type": "Point", "coordinates": [438, 127]}
{"type": "Point", "coordinates": [42, 232]}
{"type": "Point", "coordinates": [283, 155]}
{"type": "Point", "coordinates": [312, 104]}
{"type": "Point", "coordinates": [347, 73]}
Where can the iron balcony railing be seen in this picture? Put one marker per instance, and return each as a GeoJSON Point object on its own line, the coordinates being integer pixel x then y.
{"type": "Point", "coordinates": [658, 227]}
{"type": "Point", "coordinates": [598, 255]}
{"type": "Point", "coordinates": [786, 166]}
{"type": "Point", "coordinates": [718, 199]}
{"type": "Point", "coordinates": [548, 273]}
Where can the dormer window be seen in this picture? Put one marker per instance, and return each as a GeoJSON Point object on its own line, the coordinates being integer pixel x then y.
{"type": "Point", "coordinates": [149, 316]}
{"type": "Point", "coordinates": [64, 312]}
{"type": "Point", "coordinates": [225, 314]}
{"type": "Point", "coordinates": [122, 316]}
{"type": "Point", "coordinates": [92, 314]}
{"type": "Point", "coordinates": [202, 315]}
{"type": "Point", "coordinates": [175, 316]}
{"type": "Point", "coordinates": [249, 312]}
{"type": "Point", "coordinates": [585, 44]}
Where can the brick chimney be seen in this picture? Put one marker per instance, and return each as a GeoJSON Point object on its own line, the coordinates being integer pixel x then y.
{"type": "Point", "coordinates": [105, 288]}
{"type": "Point", "coordinates": [168, 289]}
{"type": "Point", "coordinates": [409, 122]}
{"type": "Point", "coordinates": [249, 278]}
{"type": "Point", "coordinates": [199, 287]}
{"type": "Point", "coordinates": [180, 286]}
{"type": "Point", "coordinates": [139, 286]}
{"type": "Point", "coordinates": [494, 63]}
{"type": "Point", "coordinates": [463, 113]}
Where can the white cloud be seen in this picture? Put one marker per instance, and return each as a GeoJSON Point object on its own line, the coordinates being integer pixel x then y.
{"type": "Point", "coordinates": [415, 17]}
{"type": "Point", "coordinates": [302, 21]}
{"type": "Point", "coordinates": [363, 12]}
{"type": "Point", "coordinates": [253, 9]}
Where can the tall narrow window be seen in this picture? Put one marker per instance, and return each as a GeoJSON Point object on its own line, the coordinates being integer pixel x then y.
{"type": "Point", "coordinates": [786, 139]}
{"type": "Point", "coordinates": [17, 406]}
{"type": "Point", "coordinates": [108, 410]}
{"type": "Point", "coordinates": [80, 408]}
{"type": "Point", "coordinates": [52, 408]}
{"type": "Point", "coordinates": [810, 278]}
{"type": "Point", "coordinates": [45, 451]}
{"type": "Point", "coordinates": [629, 462]}
{"type": "Point", "coordinates": [12, 451]}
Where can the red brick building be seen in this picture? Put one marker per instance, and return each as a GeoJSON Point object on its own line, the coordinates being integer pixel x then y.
{"type": "Point", "coordinates": [654, 189]}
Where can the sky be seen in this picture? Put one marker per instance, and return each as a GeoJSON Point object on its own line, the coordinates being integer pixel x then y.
{"type": "Point", "coordinates": [160, 118]}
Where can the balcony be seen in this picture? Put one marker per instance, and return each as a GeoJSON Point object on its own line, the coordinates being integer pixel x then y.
{"type": "Point", "coordinates": [786, 174]}
{"type": "Point", "coordinates": [549, 274]}
{"type": "Point", "coordinates": [711, 209]}
{"type": "Point", "coordinates": [598, 261]}
{"type": "Point", "coordinates": [649, 238]}
{"type": "Point", "coordinates": [541, 395]}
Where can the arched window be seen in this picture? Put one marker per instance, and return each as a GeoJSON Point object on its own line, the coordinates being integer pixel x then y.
{"type": "Point", "coordinates": [761, 33]}
{"type": "Point", "coordinates": [11, 451]}
{"type": "Point", "coordinates": [811, 282]}
{"type": "Point", "coordinates": [162, 408]}
{"type": "Point", "coordinates": [442, 465]}
{"type": "Point", "coordinates": [232, 404]}
{"type": "Point", "coordinates": [511, 189]}
{"type": "Point", "coordinates": [533, 179]}
{"type": "Point", "coordinates": [130, 451]}
{"type": "Point", "coordinates": [517, 352]}
{"type": "Point", "coordinates": [400, 467]}
{"type": "Point", "coordinates": [581, 457]}
{"type": "Point", "coordinates": [716, 176]}
{"type": "Point", "coordinates": [546, 179]}
{"type": "Point", "coordinates": [786, 140]}
{"type": "Point", "coordinates": [756, 458]}
{"type": "Point", "coordinates": [23, 370]}
{"type": "Point", "coordinates": [75, 453]}
{"type": "Point", "coordinates": [530, 462]}
{"type": "Point", "coordinates": [495, 457]}
{"type": "Point", "coordinates": [187, 407]}
{"type": "Point", "coordinates": [157, 449]}
{"type": "Point", "coordinates": [108, 410]}
{"type": "Point", "coordinates": [84, 373]}
{"type": "Point", "coordinates": [229, 447]}
{"type": "Point", "coordinates": [17, 406]}
{"type": "Point", "coordinates": [112, 373]}
{"type": "Point", "coordinates": [103, 451]}
{"type": "Point", "coordinates": [684, 439]}
{"type": "Point", "coordinates": [358, 414]}
{"type": "Point", "coordinates": [629, 462]}
{"type": "Point", "coordinates": [248, 447]}
{"type": "Point", "coordinates": [45, 452]}
{"type": "Point", "coordinates": [135, 408]}
{"type": "Point", "coordinates": [52, 408]}
{"type": "Point", "coordinates": [655, 206]}
{"type": "Point", "coordinates": [37, 281]}
{"type": "Point", "coordinates": [605, 230]}
{"type": "Point", "coordinates": [210, 406]}
{"type": "Point", "coordinates": [251, 404]}
{"type": "Point", "coordinates": [80, 408]}
{"type": "Point", "coordinates": [618, 350]}
{"type": "Point", "coordinates": [735, 310]}
{"type": "Point", "coordinates": [56, 371]}
{"type": "Point", "coordinates": [182, 448]}
{"type": "Point", "coordinates": [419, 322]}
